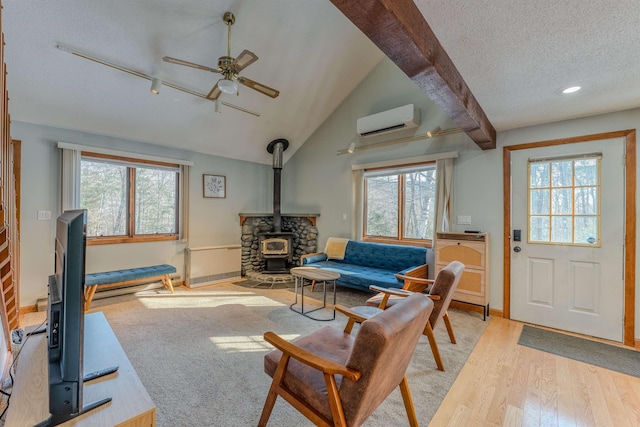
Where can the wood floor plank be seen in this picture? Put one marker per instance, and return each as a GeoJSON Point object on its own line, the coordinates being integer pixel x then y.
{"type": "Point", "coordinates": [505, 384]}
{"type": "Point", "coordinates": [614, 402]}
{"type": "Point", "coordinates": [566, 406]}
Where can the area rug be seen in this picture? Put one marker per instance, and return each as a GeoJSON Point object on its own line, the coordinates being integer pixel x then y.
{"type": "Point", "coordinates": [200, 352]}
{"type": "Point", "coordinates": [592, 352]}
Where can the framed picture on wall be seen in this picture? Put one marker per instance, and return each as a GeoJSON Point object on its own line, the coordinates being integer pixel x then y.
{"type": "Point", "coordinates": [214, 186]}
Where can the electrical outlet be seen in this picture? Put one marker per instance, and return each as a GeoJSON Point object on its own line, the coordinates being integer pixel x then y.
{"type": "Point", "coordinates": [464, 219]}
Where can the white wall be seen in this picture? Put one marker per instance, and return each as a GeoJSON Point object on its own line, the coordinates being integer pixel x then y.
{"type": "Point", "coordinates": [315, 178]}
{"type": "Point", "coordinates": [212, 221]}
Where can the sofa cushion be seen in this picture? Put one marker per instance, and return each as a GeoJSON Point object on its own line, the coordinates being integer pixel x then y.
{"type": "Point", "coordinates": [358, 276]}
{"type": "Point", "coordinates": [384, 256]}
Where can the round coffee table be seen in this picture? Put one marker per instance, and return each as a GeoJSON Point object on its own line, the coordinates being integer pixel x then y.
{"type": "Point", "coordinates": [306, 276]}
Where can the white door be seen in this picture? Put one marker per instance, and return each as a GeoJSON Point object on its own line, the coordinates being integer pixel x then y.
{"type": "Point", "coordinates": [567, 271]}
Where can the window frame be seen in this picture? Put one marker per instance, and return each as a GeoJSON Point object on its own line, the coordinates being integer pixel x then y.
{"type": "Point", "coordinates": [400, 240]}
{"type": "Point", "coordinates": [573, 186]}
{"type": "Point", "coordinates": [131, 237]}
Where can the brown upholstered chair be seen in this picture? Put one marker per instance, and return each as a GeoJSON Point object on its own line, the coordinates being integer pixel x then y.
{"type": "Point", "coordinates": [338, 379]}
{"type": "Point", "coordinates": [441, 292]}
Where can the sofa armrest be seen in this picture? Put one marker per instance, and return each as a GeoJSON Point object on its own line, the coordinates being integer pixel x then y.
{"type": "Point", "coordinates": [415, 278]}
{"type": "Point", "coordinates": [311, 258]}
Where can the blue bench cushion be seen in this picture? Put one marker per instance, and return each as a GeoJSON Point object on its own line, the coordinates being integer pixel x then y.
{"type": "Point", "coordinates": [105, 277]}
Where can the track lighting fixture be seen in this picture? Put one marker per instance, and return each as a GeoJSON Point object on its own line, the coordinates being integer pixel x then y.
{"type": "Point", "coordinates": [155, 86]}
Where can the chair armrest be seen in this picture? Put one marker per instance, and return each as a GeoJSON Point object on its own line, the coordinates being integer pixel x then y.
{"type": "Point", "coordinates": [359, 318]}
{"type": "Point", "coordinates": [400, 292]}
{"type": "Point", "coordinates": [415, 284]}
{"type": "Point", "coordinates": [310, 359]}
{"type": "Point", "coordinates": [391, 291]}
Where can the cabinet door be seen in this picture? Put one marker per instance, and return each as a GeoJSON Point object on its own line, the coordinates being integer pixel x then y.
{"type": "Point", "coordinates": [471, 254]}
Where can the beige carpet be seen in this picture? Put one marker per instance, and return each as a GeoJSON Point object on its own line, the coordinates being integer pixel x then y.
{"type": "Point", "coordinates": [200, 353]}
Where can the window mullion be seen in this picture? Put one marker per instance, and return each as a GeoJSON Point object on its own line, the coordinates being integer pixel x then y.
{"type": "Point", "coordinates": [401, 187]}
{"type": "Point", "coordinates": [131, 202]}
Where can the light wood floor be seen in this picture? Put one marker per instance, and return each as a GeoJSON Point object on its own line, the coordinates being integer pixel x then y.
{"type": "Point", "coordinates": [504, 384]}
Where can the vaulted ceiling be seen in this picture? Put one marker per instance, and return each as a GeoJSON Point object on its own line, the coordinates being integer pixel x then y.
{"type": "Point", "coordinates": [488, 64]}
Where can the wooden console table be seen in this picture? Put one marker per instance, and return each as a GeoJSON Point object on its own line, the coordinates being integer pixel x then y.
{"type": "Point", "coordinates": [131, 405]}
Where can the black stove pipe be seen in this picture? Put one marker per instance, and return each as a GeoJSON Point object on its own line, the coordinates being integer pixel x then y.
{"type": "Point", "coordinates": [277, 147]}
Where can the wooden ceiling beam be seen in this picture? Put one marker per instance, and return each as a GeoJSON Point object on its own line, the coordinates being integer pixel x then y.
{"type": "Point", "coordinates": [398, 28]}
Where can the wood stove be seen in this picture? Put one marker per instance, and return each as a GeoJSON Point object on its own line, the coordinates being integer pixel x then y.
{"type": "Point", "coordinates": [276, 247]}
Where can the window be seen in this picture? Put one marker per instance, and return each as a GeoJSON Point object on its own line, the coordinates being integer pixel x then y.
{"type": "Point", "coordinates": [564, 200]}
{"type": "Point", "coordinates": [400, 204]}
{"type": "Point", "coordinates": [128, 200]}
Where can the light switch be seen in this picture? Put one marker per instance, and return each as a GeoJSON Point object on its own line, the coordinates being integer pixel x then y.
{"type": "Point", "coordinates": [344, 216]}
{"type": "Point", "coordinates": [44, 215]}
{"type": "Point", "coordinates": [464, 219]}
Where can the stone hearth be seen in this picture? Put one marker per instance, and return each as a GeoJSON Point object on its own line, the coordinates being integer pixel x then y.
{"type": "Point", "coordinates": [304, 240]}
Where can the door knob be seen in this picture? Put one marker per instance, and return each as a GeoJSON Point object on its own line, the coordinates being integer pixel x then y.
{"type": "Point", "coordinates": [517, 249]}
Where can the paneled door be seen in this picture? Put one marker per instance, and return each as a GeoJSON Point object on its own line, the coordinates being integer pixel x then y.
{"type": "Point", "coordinates": [567, 270]}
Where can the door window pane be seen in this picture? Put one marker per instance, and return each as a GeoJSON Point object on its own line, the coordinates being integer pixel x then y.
{"type": "Point", "coordinates": [586, 172]}
{"type": "Point", "coordinates": [586, 230]}
{"type": "Point", "coordinates": [561, 229]}
{"type": "Point", "coordinates": [539, 229]}
{"type": "Point", "coordinates": [562, 174]}
{"type": "Point", "coordinates": [539, 202]}
{"type": "Point", "coordinates": [539, 175]}
{"type": "Point", "coordinates": [561, 201]}
{"type": "Point", "coordinates": [586, 201]}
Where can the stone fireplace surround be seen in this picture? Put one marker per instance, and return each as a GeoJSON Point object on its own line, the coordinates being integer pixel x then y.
{"type": "Point", "coordinates": [304, 241]}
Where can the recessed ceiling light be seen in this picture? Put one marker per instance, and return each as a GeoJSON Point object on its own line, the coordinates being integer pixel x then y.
{"type": "Point", "coordinates": [571, 89]}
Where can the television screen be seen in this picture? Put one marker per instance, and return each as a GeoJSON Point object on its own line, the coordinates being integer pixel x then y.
{"type": "Point", "coordinates": [65, 320]}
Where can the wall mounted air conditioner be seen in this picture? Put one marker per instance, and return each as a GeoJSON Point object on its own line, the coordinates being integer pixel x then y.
{"type": "Point", "coordinates": [397, 119]}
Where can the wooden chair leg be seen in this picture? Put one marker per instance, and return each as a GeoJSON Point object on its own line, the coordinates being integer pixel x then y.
{"type": "Point", "coordinates": [428, 331]}
{"type": "Point", "coordinates": [273, 391]}
{"type": "Point", "coordinates": [313, 285]}
{"type": "Point", "coordinates": [89, 292]}
{"type": "Point", "coordinates": [166, 281]}
{"type": "Point", "coordinates": [408, 402]}
{"type": "Point", "coordinates": [447, 323]}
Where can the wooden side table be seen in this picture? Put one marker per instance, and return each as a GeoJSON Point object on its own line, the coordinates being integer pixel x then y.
{"type": "Point", "coordinates": [305, 276]}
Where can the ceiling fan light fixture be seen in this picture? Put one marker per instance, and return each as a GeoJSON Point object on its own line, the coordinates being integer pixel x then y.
{"type": "Point", "coordinates": [155, 86]}
{"type": "Point", "coordinates": [228, 86]}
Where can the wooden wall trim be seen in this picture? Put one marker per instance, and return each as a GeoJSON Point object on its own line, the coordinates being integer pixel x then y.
{"type": "Point", "coordinates": [630, 220]}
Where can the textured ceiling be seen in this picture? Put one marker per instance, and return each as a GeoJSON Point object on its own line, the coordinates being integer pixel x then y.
{"type": "Point", "coordinates": [516, 56]}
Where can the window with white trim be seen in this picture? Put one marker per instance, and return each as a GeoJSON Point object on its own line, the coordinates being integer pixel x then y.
{"type": "Point", "coordinates": [400, 203]}
{"type": "Point", "coordinates": [129, 200]}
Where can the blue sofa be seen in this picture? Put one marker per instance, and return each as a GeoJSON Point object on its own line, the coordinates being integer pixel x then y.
{"type": "Point", "coordinates": [366, 263]}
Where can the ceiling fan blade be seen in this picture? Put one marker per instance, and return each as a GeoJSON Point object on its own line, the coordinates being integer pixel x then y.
{"type": "Point", "coordinates": [215, 92]}
{"type": "Point", "coordinates": [266, 90]}
{"type": "Point", "coordinates": [243, 60]}
{"type": "Point", "coordinates": [189, 64]}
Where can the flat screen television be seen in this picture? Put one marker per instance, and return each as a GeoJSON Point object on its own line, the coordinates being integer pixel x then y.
{"type": "Point", "coordinates": [65, 321]}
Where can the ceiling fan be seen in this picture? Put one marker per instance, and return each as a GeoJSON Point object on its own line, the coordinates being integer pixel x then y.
{"type": "Point", "coordinates": [230, 69]}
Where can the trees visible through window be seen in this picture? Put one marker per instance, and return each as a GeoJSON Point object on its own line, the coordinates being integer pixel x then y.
{"type": "Point", "coordinates": [564, 201]}
{"type": "Point", "coordinates": [400, 203]}
{"type": "Point", "coordinates": [127, 200]}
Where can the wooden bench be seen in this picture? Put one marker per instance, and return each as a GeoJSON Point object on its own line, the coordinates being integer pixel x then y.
{"type": "Point", "coordinates": [117, 278]}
